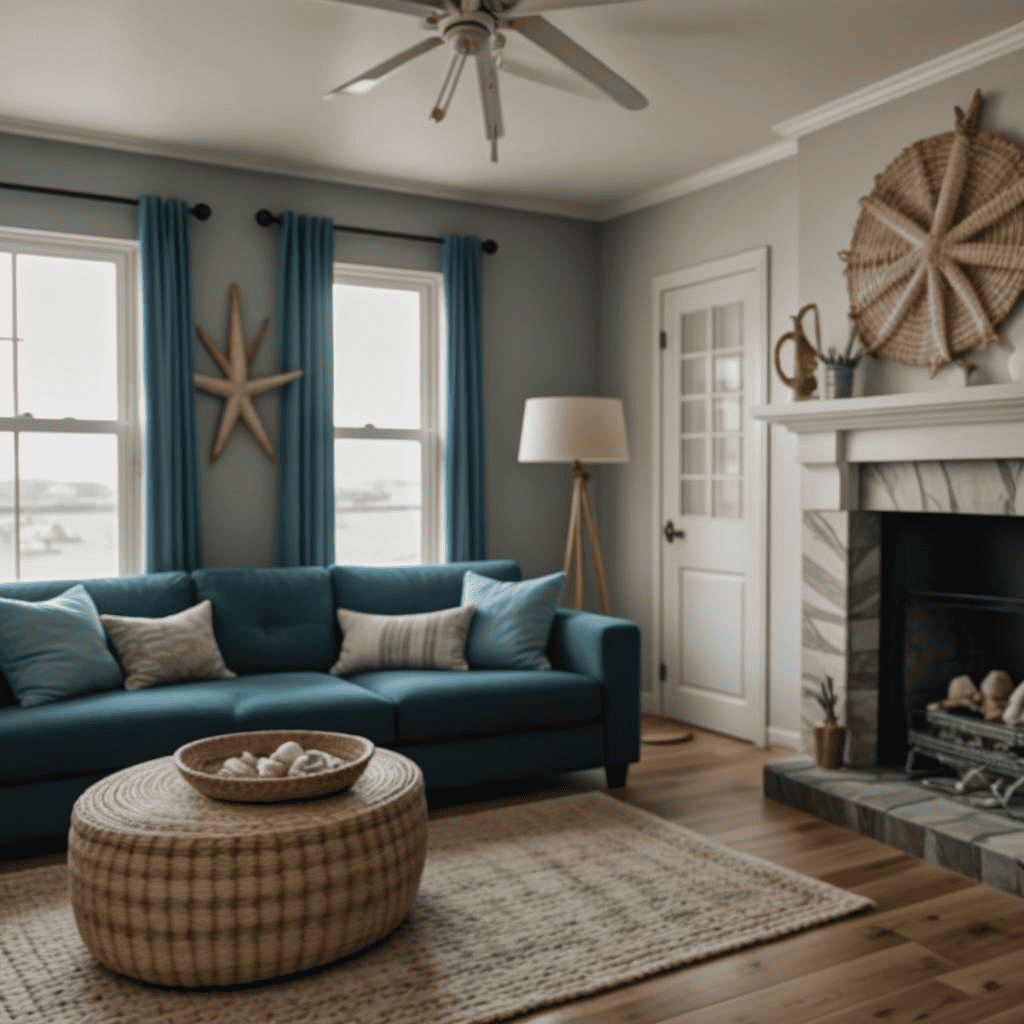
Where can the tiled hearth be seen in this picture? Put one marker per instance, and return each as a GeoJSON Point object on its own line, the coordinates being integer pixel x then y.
{"type": "Point", "coordinates": [883, 804]}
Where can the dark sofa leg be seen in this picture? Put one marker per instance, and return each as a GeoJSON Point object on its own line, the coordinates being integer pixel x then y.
{"type": "Point", "coordinates": [616, 774]}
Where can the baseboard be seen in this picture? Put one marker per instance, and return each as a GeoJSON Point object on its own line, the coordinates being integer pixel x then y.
{"type": "Point", "coordinates": [783, 737]}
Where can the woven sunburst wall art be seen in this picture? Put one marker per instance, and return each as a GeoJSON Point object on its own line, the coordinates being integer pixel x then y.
{"type": "Point", "coordinates": [937, 257]}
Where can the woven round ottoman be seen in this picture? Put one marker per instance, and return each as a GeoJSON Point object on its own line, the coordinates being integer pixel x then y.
{"type": "Point", "coordinates": [171, 887]}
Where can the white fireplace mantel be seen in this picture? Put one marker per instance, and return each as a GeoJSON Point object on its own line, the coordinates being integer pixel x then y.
{"type": "Point", "coordinates": [834, 436]}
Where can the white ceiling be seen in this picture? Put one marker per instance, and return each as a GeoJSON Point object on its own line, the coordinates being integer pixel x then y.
{"type": "Point", "coordinates": [242, 82]}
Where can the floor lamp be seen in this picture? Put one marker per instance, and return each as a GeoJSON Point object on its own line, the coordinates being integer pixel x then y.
{"type": "Point", "coordinates": [576, 430]}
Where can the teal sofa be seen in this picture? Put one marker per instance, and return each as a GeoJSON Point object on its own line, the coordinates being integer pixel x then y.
{"type": "Point", "coordinates": [277, 630]}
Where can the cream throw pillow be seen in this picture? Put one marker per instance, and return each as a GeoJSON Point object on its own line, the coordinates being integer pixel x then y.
{"type": "Point", "coordinates": [425, 640]}
{"type": "Point", "coordinates": [176, 647]}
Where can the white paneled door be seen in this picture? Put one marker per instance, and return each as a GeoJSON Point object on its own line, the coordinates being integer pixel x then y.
{"type": "Point", "coordinates": [711, 534]}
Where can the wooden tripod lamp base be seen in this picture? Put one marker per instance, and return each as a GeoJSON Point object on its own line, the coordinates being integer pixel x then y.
{"type": "Point", "coordinates": [581, 510]}
{"type": "Point", "coordinates": [577, 429]}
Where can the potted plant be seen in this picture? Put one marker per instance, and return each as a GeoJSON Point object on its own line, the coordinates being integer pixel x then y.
{"type": "Point", "coordinates": [828, 740]}
{"type": "Point", "coordinates": [839, 367]}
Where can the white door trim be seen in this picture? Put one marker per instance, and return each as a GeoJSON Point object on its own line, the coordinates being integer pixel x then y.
{"type": "Point", "coordinates": [756, 261]}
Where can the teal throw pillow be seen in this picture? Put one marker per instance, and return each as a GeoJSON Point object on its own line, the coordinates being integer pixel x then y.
{"type": "Point", "coordinates": [54, 649]}
{"type": "Point", "coordinates": [512, 622]}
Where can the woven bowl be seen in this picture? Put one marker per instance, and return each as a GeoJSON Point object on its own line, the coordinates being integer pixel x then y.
{"type": "Point", "coordinates": [201, 760]}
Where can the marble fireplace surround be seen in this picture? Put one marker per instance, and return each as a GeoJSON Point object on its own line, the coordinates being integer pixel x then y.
{"type": "Point", "coordinates": [960, 450]}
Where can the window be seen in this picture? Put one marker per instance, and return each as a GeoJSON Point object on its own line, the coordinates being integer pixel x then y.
{"type": "Point", "coordinates": [70, 426]}
{"type": "Point", "coordinates": [388, 416]}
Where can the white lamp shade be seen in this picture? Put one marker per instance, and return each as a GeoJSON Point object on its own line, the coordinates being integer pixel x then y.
{"type": "Point", "coordinates": [570, 429]}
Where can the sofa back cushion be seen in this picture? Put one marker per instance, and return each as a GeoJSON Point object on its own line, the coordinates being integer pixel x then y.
{"type": "Point", "coordinates": [408, 590]}
{"type": "Point", "coordinates": [151, 595]}
{"type": "Point", "coordinates": [272, 620]}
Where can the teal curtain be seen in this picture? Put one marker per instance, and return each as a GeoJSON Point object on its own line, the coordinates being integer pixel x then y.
{"type": "Point", "coordinates": [464, 483]}
{"type": "Point", "coordinates": [174, 534]}
{"type": "Point", "coordinates": [305, 279]}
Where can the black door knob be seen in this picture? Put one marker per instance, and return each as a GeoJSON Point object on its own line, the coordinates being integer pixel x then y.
{"type": "Point", "coordinates": [671, 532]}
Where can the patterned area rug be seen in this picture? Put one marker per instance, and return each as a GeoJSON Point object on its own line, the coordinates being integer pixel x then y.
{"type": "Point", "coordinates": [520, 908]}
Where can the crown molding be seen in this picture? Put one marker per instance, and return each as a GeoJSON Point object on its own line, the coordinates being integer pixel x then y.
{"type": "Point", "coordinates": [290, 168]}
{"type": "Point", "coordinates": [702, 179]}
{"type": "Point", "coordinates": [999, 44]}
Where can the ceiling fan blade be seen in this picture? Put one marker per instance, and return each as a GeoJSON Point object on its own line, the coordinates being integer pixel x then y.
{"type": "Point", "coordinates": [559, 45]}
{"type": "Point", "coordinates": [540, 6]}
{"type": "Point", "coordinates": [417, 8]}
{"type": "Point", "coordinates": [487, 72]}
{"type": "Point", "coordinates": [368, 79]}
{"type": "Point", "coordinates": [553, 79]}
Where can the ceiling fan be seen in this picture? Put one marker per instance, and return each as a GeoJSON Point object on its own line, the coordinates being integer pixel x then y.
{"type": "Point", "coordinates": [475, 28]}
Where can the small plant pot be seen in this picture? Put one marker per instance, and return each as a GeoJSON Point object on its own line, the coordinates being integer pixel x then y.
{"type": "Point", "coordinates": [838, 381]}
{"type": "Point", "coordinates": [827, 742]}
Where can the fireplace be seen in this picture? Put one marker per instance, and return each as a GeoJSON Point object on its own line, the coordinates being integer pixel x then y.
{"type": "Point", "coordinates": [930, 480]}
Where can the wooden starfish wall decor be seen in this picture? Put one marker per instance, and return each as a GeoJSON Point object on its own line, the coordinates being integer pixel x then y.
{"type": "Point", "coordinates": [937, 257]}
{"type": "Point", "coordinates": [236, 387]}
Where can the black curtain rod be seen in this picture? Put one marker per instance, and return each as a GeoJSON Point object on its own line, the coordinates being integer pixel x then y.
{"type": "Point", "coordinates": [200, 211]}
{"type": "Point", "coordinates": [265, 218]}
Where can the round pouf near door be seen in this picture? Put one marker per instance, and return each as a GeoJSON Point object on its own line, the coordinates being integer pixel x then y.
{"type": "Point", "coordinates": [171, 887]}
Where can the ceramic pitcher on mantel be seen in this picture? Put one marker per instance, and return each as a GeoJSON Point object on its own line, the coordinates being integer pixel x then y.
{"type": "Point", "coordinates": [803, 382]}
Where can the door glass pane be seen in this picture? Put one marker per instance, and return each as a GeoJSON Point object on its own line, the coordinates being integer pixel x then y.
{"type": "Point", "coordinates": [68, 506]}
{"type": "Point", "coordinates": [6, 329]}
{"type": "Point", "coordinates": [376, 357]}
{"type": "Point", "coordinates": [693, 418]}
{"type": "Point", "coordinates": [728, 325]}
{"type": "Point", "coordinates": [67, 318]}
{"type": "Point", "coordinates": [726, 414]}
{"type": "Point", "coordinates": [378, 502]}
{"type": "Point", "coordinates": [692, 456]}
{"type": "Point", "coordinates": [693, 498]}
{"type": "Point", "coordinates": [7, 506]}
{"type": "Point", "coordinates": [728, 373]}
{"type": "Point", "coordinates": [694, 331]}
{"type": "Point", "coordinates": [728, 500]}
{"type": "Point", "coordinates": [725, 456]}
{"type": "Point", "coordinates": [694, 376]}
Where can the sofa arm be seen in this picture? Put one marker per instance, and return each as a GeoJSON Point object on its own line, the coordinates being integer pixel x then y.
{"type": "Point", "coordinates": [608, 650]}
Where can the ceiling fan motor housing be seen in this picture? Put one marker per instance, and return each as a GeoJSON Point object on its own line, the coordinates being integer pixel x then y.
{"type": "Point", "coordinates": [469, 33]}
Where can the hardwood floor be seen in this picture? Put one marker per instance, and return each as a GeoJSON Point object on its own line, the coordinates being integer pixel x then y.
{"type": "Point", "coordinates": [938, 947]}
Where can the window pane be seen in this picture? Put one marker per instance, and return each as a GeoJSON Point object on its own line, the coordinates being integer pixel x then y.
{"type": "Point", "coordinates": [68, 506]}
{"type": "Point", "coordinates": [67, 318]}
{"type": "Point", "coordinates": [728, 373]}
{"type": "Point", "coordinates": [376, 357]}
{"type": "Point", "coordinates": [725, 459]}
{"type": "Point", "coordinates": [692, 455]}
{"type": "Point", "coordinates": [7, 506]}
{"type": "Point", "coordinates": [728, 325]}
{"type": "Point", "coordinates": [6, 332]}
{"type": "Point", "coordinates": [692, 498]}
{"type": "Point", "coordinates": [694, 328]}
{"type": "Point", "coordinates": [693, 416]}
{"type": "Point", "coordinates": [378, 502]}
{"type": "Point", "coordinates": [727, 414]}
{"type": "Point", "coordinates": [693, 376]}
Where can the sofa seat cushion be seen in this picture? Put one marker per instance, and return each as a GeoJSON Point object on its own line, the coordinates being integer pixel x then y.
{"type": "Point", "coordinates": [272, 620]}
{"type": "Point", "coordinates": [105, 731]}
{"type": "Point", "coordinates": [434, 705]}
{"type": "Point", "coordinates": [310, 700]}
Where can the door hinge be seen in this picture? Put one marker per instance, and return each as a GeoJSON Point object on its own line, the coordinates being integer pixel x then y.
{"type": "Point", "coordinates": [663, 339]}
{"type": "Point", "coordinates": [663, 672]}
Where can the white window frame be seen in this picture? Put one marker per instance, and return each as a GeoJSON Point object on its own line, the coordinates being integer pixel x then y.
{"type": "Point", "coordinates": [433, 406]}
{"type": "Point", "coordinates": [129, 425]}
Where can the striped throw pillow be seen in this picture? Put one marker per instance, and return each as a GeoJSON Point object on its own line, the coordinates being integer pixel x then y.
{"type": "Point", "coordinates": [425, 640]}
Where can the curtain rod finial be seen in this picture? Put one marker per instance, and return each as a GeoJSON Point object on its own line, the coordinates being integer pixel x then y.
{"type": "Point", "coordinates": [265, 218]}
{"type": "Point", "coordinates": [200, 211]}
{"type": "Point", "coordinates": [490, 246]}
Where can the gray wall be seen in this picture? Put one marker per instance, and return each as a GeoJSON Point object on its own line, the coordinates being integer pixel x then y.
{"type": "Point", "coordinates": [540, 307]}
{"type": "Point", "coordinates": [757, 209]}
